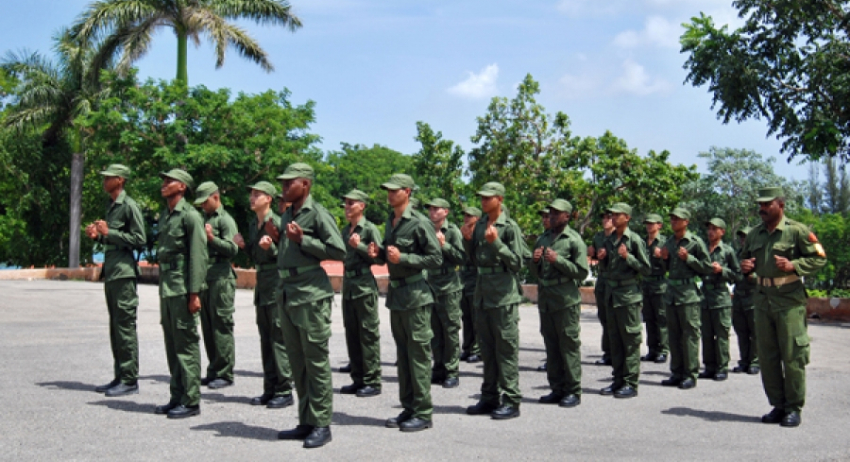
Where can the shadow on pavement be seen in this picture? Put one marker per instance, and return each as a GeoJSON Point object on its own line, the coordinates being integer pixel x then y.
{"type": "Point", "coordinates": [525, 348]}
{"type": "Point", "coordinates": [239, 430]}
{"type": "Point", "coordinates": [157, 378]}
{"type": "Point", "coordinates": [711, 416]}
{"type": "Point", "coordinates": [450, 409]}
{"type": "Point", "coordinates": [126, 406]}
{"type": "Point", "coordinates": [341, 418]}
{"type": "Point", "coordinates": [221, 398]}
{"type": "Point", "coordinates": [248, 374]}
{"type": "Point", "coordinates": [66, 385]}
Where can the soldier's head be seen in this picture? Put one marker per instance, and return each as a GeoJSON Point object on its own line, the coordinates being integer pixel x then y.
{"type": "Point", "coordinates": [559, 214]}
{"type": "Point", "coordinates": [296, 181]}
{"type": "Point", "coordinates": [354, 203]}
{"type": "Point", "coordinates": [771, 204]}
{"type": "Point", "coordinates": [492, 195]}
{"type": "Point", "coordinates": [607, 223]}
{"type": "Point", "coordinates": [399, 188]}
{"type": "Point", "coordinates": [262, 194]}
{"type": "Point", "coordinates": [208, 197]}
{"type": "Point", "coordinates": [716, 229]}
{"type": "Point", "coordinates": [545, 215]}
{"type": "Point", "coordinates": [114, 178]}
{"type": "Point", "coordinates": [653, 223]}
{"type": "Point", "coordinates": [742, 234]}
{"type": "Point", "coordinates": [621, 214]}
{"type": "Point", "coordinates": [176, 182]}
{"type": "Point", "coordinates": [680, 217]}
{"type": "Point", "coordinates": [282, 203]}
{"type": "Point", "coordinates": [438, 210]}
{"type": "Point", "coordinates": [471, 215]}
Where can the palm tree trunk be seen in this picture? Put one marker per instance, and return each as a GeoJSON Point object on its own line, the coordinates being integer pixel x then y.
{"type": "Point", "coordinates": [182, 44]}
{"type": "Point", "coordinates": [77, 164]}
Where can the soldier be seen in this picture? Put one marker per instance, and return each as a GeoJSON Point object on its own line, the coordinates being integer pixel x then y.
{"type": "Point", "coordinates": [277, 375]}
{"type": "Point", "coordinates": [560, 263]}
{"type": "Point", "coordinates": [653, 286]}
{"type": "Point", "coordinates": [470, 349]}
{"type": "Point", "coordinates": [448, 290]}
{"type": "Point", "coordinates": [496, 247]}
{"type": "Point", "coordinates": [121, 233]}
{"type": "Point", "coordinates": [360, 299]}
{"type": "Point", "coordinates": [781, 250]}
{"type": "Point", "coordinates": [623, 258]}
{"type": "Point", "coordinates": [217, 298]}
{"type": "Point", "coordinates": [743, 316]}
{"type": "Point", "coordinates": [716, 316]}
{"type": "Point", "coordinates": [600, 289]}
{"type": "Point", "coordinates": [409, 247]}
{"type": "Point", "coordinates": [307, 236]}
{"type": "Point", "coordinates": [544, 218]}
{"type": "Point", "coordinates": [182, 254]}
{"type": "Point", "coordinates": [685, 258]}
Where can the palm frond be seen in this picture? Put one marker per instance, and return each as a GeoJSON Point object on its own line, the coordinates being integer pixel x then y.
{"type": "Point", "coordinates": [102, 17]}
{"type": "Point", "coordinates": [273, 12]}
{"type": "Point", "coordinates": [224, 34]}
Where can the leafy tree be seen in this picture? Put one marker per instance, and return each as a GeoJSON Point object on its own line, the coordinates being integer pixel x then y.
{"type": "Point", "coordinates": [438, 167]}
{"type": "Point", "coordinates": [787, 64]}
{"type": "Point", "coordinates": [833, 231]}
{"type": "Point", "coordinates": [836, 188]}
{"type": "Point", "coordinates": [128, 26]}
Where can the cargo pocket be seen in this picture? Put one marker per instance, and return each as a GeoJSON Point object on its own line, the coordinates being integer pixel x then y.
{"type": "Point", "coordinates": [802, 349]}
{"type": "Point", "coordinates": [319, 327]}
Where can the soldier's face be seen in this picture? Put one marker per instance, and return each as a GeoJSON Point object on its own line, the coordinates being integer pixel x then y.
{"type": "Point", "coordinates": [353, 208]}
{"type": "Point", "coordinates": [607, 221]}
{"type": "Point", "coordinates": [259, 200]}
{"type": "Point", "coordinates": [467, 219]}
{"type": "Point", "coordinates": [652, 227]}
{"type": "Point", "coordinates": [620, 220]}
{"type": "Point", "coordinates": [490, 204]}
{"type": "Point", "coordinates": [741, 239]}
{"type": "Point", "coordinates": [547, 220]}
{"type": "Point", "coordinates": [437, 214]}
{"type": "Point", "coordinates": [294, 189]}
{"type": "Point", "coordinates": [558, 219]}
{"type": "Point", "coordinates": [771, 212]}
{"type": "Point", "coordinates": [678, 224]}
{"type": "Point", "coordinates": [111, 183]}
{"type": "Point", "coordinates": [211, 204]}
{"type": "Point", "coordinates": [715, 234]}
{"type": "Point", "coordinates": [397, 197]}
{"type": "Point", "coordinates": [171, 187]}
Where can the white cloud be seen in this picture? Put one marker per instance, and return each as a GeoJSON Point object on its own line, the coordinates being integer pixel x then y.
{"type": "Point", "coordinates": [657, 31]}
{"type": "Point", "coordinates": [636, 81]}
{"type": "Point", "coordinates": [477, 86]}
{"type": "Point", "coordinates": [578, 86]}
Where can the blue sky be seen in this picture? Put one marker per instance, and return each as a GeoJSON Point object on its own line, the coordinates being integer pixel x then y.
{"type": "Point", "coordinates": [375, 68]}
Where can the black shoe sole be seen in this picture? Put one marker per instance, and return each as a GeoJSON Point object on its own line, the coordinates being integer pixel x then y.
{"type": "Point", "coordinates": [416, 429]}
{"type": "Point", "coordinates": [134, 391]}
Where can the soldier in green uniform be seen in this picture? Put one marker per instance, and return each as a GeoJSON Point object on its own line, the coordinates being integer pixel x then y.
{"type": "Point", "coordinates": [307, 236]}
{"type": "Point", "coordinates": [360, 299]}
{"type": "Point", "coordinates": [653, 286]}
{"type": "Point", "coordinates": [497, 248]}
{"type": "Point", "coordinates": [624, 258]}
{"type": "Point", "coordinates": [277, 375]}
{"type": "Point", "coordinates": [743, 316]}
{"type": "Point", "coordinates": [468, 274]}
{"type": "Point", "coordinates": [544, 218]}
{"type": "Point", "coordinates": [182, 255]}
{"type": "Point", "coordinates": [448, 290]}
{"type": "Point", "coordinates": [121, 233]}
{"type": "Point", "coordinates": [600, 289]}
{"type": "Point", "coordinates": [781, 251]}
{"type": "Point", "coordinates": [410, 246]}
{"type": "Point", "coordinates": [685, 258]}
{"type": "Point", "coordinates": [217, 298]}
{"type": "Point", "coordinates": [716, 316]}
{"type": "Point", "coordinates": [560, 264]}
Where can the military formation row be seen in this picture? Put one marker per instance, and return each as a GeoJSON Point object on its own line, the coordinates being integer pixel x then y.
{"type": "Point", "coordinates": [442, 276]}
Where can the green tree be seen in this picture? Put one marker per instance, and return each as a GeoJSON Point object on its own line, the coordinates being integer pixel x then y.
{"type": "Point", "coordinates": [833, 232]}
{"type": "Point", "coordinates": [836, 187]}
{"type": "Point", "coordinates": [438, 169]}
{"type": "Point", "coordinates": [128, 27]}
{"type": "Point", "coordinates": [787, 64]}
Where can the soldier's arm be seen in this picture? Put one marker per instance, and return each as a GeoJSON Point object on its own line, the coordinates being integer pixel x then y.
{"type": "Point", "coordinates": [369, 235]}
{"type": "Point", "coordinates": [812, 254]}
{"type": "Point", "coordinates": [638, 258]}
{"type": "Point", "coordinates": [573, 262]}
{"type": "Point", "coordinates": [432, 256]}
{"type": "Point", "coordinates": [224, 244]}
{"type": "Point", "coordinates": [511, 249]}
{"type": "Point", "coordinates": [134, 238]}
{"type": "Point", "coordinates": [328, 245]}
{"type": "Point", "coordinates": [732, 269]}
{"type": "Point", "coordinates": [699, 260]}
{"type": "Point", "coordinates": [197, 240]}
{"type": "Point", "coordinates": [453, 248]}
{"type": "Point", "coordinates": [536, 268]}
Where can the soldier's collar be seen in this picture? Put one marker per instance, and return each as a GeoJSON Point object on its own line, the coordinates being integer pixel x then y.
{"type": "Point", "coordinates": [360, 223]}
{"type": "Point", "coordinates": [120, 198]}
{"type": "Point", "coordinates": [307, 205]}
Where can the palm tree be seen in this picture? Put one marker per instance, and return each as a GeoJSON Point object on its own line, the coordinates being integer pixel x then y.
{"type": "Point", "coordinates": [127, 27]}
{"type": "Point", "coordinates": [49, 97]}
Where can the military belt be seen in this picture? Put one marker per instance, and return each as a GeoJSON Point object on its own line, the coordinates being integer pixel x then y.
{"type": "Point", "coordinates": [622, 282]}
{"type": "Point", "coordinates": [396, 283]}
{"type": "Point", "coordinates": [708, 286]}
{"type": "Point", "coordinates": [178, 264]}
{"type": "Point", "coordinates": [292, 272]}
{"type": "Point", "coordinates": [443, 271]}
{"type": "Point", "coordinates": [267, 267]}
{"type": "Point", "coordinates": [214, 260]}
{"type": "Point", "coordinates": [680, 281]}
{"type": "Point", "coordinates": [553, 282]}
{"type": "Point", "coordinates": [653, 278]}
{"type": "Point", "coordinates": [492, 269]}
{"type": "Point", "coordinates": [778, 282]}
{"type": "Point", "coordinates": [358, 272]}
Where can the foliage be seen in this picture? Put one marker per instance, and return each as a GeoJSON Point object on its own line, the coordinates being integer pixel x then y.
{"type": "Point", "coordinates": [833, 231]}
{"type": "Point", "coordinates": [438, 169]}
{"type": "Point", "coordinates": [787, 64]}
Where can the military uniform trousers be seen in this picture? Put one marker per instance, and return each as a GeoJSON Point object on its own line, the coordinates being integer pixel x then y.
{"type": "Point", "coordinates": [715, 338]}
{"type": "Point", "coordinates": [307, 329]}
{"type": "Point", "coordinates": [182, 349]}
{"type": "Point", "coordinates": [277, 375]}
{"type": "Point", "coordinates": [498, 332]}
{"type": "Point", "coordinates": [363, 338]}
{"type": "Point", "coordinates": [121, 302]}
{"type": "Point", "coordinates": [470, 337]}
{"type": "Point", "coordinates": [655, 318]}
{"type": "Point", "coordinates": [624, 335]}
{"type": "Point", "coordinates": [683, 325]}
{"type": "Point", "coordinates": [217, 326]}
{"type": "Point", "coordinates": [744, 323]}
{"type": "Point", "coordinates": [445, 323]}
{"type": "Point", "coordinates": [561, 330]}
{"type": "Point", "coordinates": [783, 346]}
{"type": "Point", "coordinates": [600, 292]}
{"type": "Point", "coordinates": [412, 334]}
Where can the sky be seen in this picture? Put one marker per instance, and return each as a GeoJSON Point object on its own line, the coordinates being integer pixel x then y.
{"type": "Point", "coordinates": [376, 67]}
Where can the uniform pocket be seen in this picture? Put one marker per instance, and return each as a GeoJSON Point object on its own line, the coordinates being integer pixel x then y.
{"type": "Point", "coordinates": [404, 244]}
{"type": "Point", "coordinates": [783, 250]}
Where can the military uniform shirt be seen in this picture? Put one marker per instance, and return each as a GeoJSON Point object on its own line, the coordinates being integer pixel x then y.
{"type": "Point", "coordinates": [265, 261]}
{"type": "Point", "coordinates": [714, 289]}
{"type": "Point", "coordinates": [182, 245]}
{"type": "Point", "coordinates": [445, 279]}
{"type": "Point", "coordinates": [222, 249]}
{"type": "Point", "coordinates": [357, 259]}
{"type": "Point", "coordinates": [621, 273]}
{"type": "Point", "coordinates": [126, 233]}
{"type": "Point", "coordinates": [655, 282]}
{"type": "Point", "coordinates": [746, 286]}
{"type": "Point", "coordinates": [504, 258]}
{"type": "Point", "coordinates": [599, 240]}
{"type": "Point", "coordinates": [559, 282]}
{"type": "Point", "coordinates": [679, 290]}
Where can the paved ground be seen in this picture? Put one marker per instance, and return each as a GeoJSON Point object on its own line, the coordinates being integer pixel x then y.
{"type": "Point", "coordinates": [54, 340]}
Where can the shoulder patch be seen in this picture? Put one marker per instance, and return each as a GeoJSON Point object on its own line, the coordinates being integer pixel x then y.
{"type": "Point", "coordinates": [812, 238]}
{"type": "Point", "coordinates": [820, 250]}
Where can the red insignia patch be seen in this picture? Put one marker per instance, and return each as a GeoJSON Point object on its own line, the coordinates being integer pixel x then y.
{"type": "Point", "coordinates": [812, 237]}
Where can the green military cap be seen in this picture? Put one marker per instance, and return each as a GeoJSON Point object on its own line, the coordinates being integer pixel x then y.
{"type": "Point", "coordinates": [681, 212]}
{"type": "Point", "coordinates": [472, 211]}
{"type": "Point", "coordinates": [117, 170]}
{"type": "Point", "coordinates": [544, 211]}
{"type": "Point", "coordinates": [180, 175]}
{"type": "Point", "coordinates": [297, 170]}
{"type": "Point", "coordinates": [356, 195]}
{"type": "Point", "coordinates": [769, 194]}
{"type": "Point", "coordinates": [264, 187]}
{"type": "Point", "coordinates": [620, 207]}
{"type": "Point", "coordinates": [204, 191]}
{"type": "Point", "coordinates": [438, 202]}
{"type": "Point", "coordinates": [561, 205]}
{"type": "Point", "coordinates": [653, 218]}
{"type": "Point", "coordinates": [716, 222]}
{"type": "Point", "coordinates": [744, 231]}
{"type": "Point", "coordinates": [399, 181]}
{"type": "Point", "coordinates": [493, 188]}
